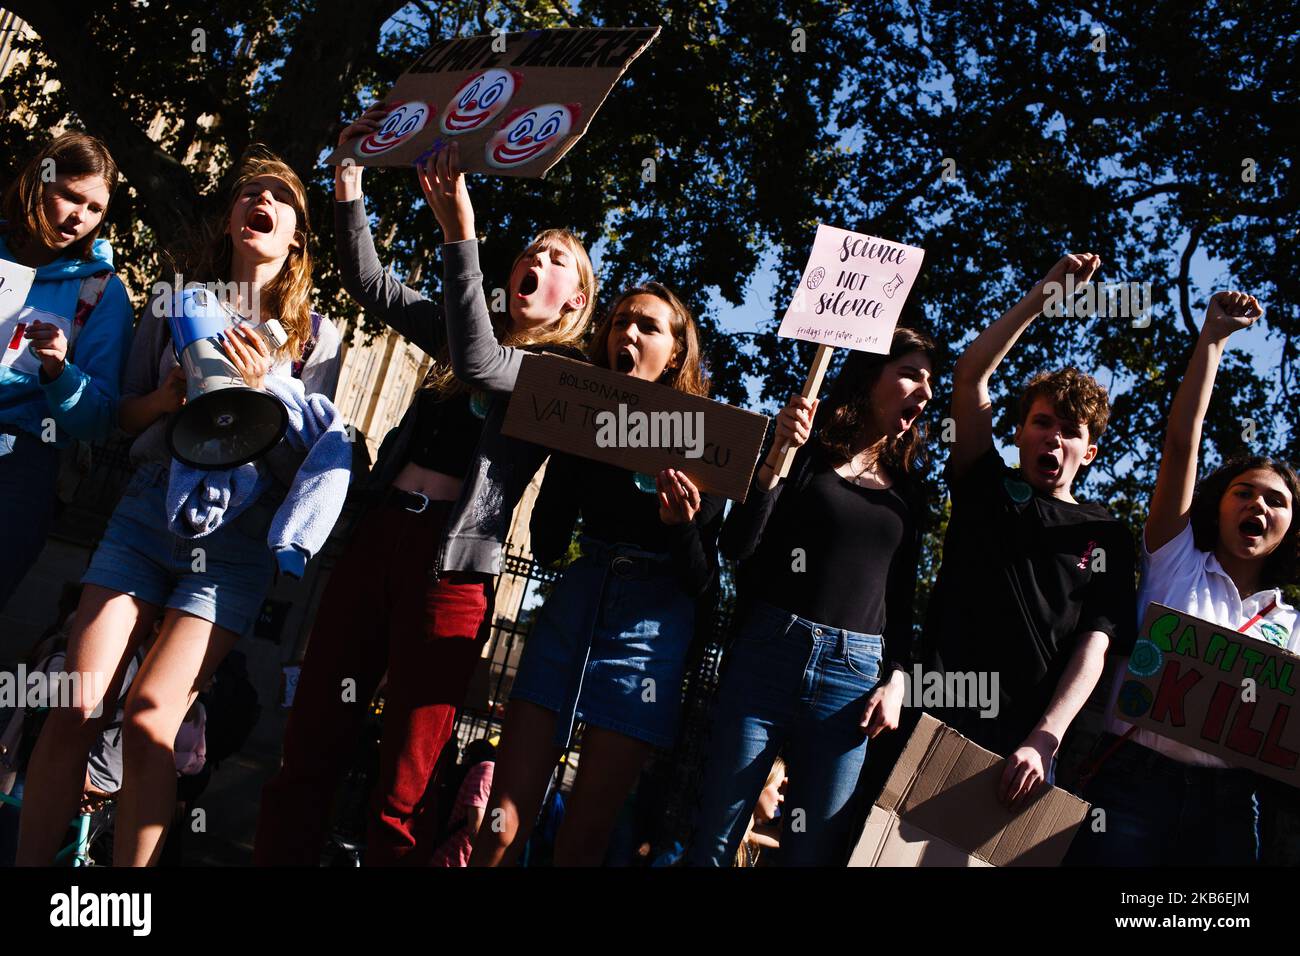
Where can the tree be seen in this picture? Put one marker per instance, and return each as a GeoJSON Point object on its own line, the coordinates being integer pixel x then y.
{"type": "Point", "coordinates": [996, 137]}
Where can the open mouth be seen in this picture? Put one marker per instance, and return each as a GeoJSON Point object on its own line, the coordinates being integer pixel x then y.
{"type": "Point", "coordinates": [528, 284]}
{"type": "Point", "coordinates": [1049, 465]}
{"type": "Point", "coordinates": [625, 361]}
{"type": "Point", "coordinates": [68, 232]}
{"type": "Point", "coordinates": [260, 220]}
{"type": "Point", "coordinates": [1252, 528]}
{"type": "Point", "coordinates": [910, 415]}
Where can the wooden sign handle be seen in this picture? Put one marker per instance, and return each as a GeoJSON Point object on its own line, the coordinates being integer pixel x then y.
{"type": "Point", "coordinates": [811, 386]}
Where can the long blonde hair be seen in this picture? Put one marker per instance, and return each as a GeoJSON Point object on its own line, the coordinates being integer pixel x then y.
{"type": "Point", "coordinates": [568, 329]}
{"type": "Point", "coordinates": [287, 297]}
{"type": "Point", "coordinates": [747, 855]}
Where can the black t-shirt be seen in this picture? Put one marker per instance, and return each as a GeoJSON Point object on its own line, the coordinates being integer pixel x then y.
{"type": "Point", "coordinates": [616, 511]}
{"type": "Point", "coordinates": [831, 551]}
{"type": "Point", "coordinates": [446, 433]}
{"type": "Point", "coordinates": [1023, 575]}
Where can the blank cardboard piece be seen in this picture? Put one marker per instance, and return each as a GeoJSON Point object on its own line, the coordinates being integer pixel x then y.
{"type": "Point", "coordinates": [556, 402]}
{"type": "Point", "coordinates": [940, 808]}
{"type": "Point", "coordinates": [514, 102]}
{"type": "Point", "coordinates": [1186, 680]}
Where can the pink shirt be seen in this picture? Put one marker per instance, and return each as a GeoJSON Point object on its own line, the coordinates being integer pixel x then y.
{"type": "Point", "coordinates": [473, 792]}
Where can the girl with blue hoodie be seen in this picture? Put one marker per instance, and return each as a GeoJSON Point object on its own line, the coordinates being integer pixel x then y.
{"type": "Point", "coordinates": [65, 345]}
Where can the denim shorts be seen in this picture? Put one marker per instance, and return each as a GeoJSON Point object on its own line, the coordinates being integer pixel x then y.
{"type": "Point", "coordinates": [224, 582]}
{"type": "Point", "coordinates": [609, 647]}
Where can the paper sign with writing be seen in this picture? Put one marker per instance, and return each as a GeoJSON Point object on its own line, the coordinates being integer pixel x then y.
{"type": "Point", "coordinates": [852, 291]}
{"type": "Point", "coordinates": [15, 282]}
{"type": "Point", "coordinates": [1212, 688]}
{"type": "Point", "coordinates": [515, 102]}
{"type": "Point", "coordinates": [642, 426]}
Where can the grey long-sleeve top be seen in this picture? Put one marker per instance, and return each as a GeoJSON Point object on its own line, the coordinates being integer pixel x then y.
{"type": "Point", "coordinates": [475, 532]}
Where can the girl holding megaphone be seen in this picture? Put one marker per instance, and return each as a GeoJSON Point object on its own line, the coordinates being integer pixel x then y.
{"type": "Point", "coordinates": [208, 591]}
{"type": "Point", "coordinates": [412, 591]}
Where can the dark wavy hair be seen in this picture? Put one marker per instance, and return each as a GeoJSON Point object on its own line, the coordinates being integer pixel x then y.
{"type": "Point", "coordinates": [1280, 567]}
{"type": "Point", "coordinates": [847, 411]}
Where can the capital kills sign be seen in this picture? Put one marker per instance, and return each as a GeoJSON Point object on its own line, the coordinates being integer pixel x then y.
{"type": "Point", "coordinates": [1212, 688]}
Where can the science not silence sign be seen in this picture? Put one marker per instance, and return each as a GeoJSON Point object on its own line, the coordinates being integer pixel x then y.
{"type": "Point", "coordinates": [643, 426]}
{"type": "Point", "coordinates": [515, 102]}
{"type": "Point", "coordinates": [852, 291]}
{"type": "Point", "coordinates": [1215, 689]}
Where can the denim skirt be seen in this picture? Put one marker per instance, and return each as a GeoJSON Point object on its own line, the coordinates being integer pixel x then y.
{"type": "Point", "coordinates": [609, 647]}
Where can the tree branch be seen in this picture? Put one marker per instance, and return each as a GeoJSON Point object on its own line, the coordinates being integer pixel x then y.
{"type": "Point", "coordinates": [326, 47]}
{"type": "Point", "coordinates": [1184, 294]}
{"type": "Point", "coordinates": [170, 201]}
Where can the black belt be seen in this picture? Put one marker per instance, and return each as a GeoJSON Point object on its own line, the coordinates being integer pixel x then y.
{"type": "Point", "coordinates": [411, 501]}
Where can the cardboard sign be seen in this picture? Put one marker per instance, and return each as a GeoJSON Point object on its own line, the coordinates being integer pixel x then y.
{"type": "Point", "coordinates": [940, 807]}
{"type": "Point", "coordinates": [643, 426]}
{"type": "Point", "coordinates": [15, 282]}
{"type": "Point", "coordinates": [852, 291]}
{"type": "Point", "coordinates": [515, 102]}
{"type": "Point", "coordinates": [1190, 680]}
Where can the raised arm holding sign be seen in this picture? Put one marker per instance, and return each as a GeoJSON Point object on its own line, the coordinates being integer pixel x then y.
{"type": "Point", "coordinates": [850, 296]}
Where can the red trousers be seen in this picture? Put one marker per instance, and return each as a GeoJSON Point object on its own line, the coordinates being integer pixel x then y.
{"type": "Point", "coordinates": [379, 611]}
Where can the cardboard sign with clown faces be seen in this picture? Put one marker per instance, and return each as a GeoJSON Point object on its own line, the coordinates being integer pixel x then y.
{"type": "Point", "coordinates": [405, 120]}
{"type": "Point", "coordinates": [515, 103]}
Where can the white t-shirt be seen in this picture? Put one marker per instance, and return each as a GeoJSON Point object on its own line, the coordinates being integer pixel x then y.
{"type": "Point", "coordinates": [1181, 576]}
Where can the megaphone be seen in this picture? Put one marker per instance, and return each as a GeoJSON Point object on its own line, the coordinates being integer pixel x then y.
{"type": "Point", "coordinates": [223, 423]}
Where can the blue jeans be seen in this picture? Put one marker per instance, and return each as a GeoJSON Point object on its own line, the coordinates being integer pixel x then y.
{"type": "Point", "coordinates": [799, 689]}
{"type": "Point", "coordinates": [29, 469]}
{"type": "Point", "coordinates": [1161, 812]}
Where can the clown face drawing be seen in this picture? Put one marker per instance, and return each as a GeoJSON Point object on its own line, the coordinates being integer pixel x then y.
{"type": "Point", "coordinates": [529, 133]}
{"type": "Point", "coordinates": [405, 120]}
{"type": "Point", "coordinates": [480, 100]}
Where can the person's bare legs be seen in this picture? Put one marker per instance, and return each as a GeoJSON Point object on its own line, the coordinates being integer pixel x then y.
{"type": "Point", "coordinates": [106, 631]}
{"type": "Point", "coordinates": [607, 771]}
{"type": "Point", "coordinates": [186, 654]}
{"type": "Point", "coordinates": [523, 768]}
